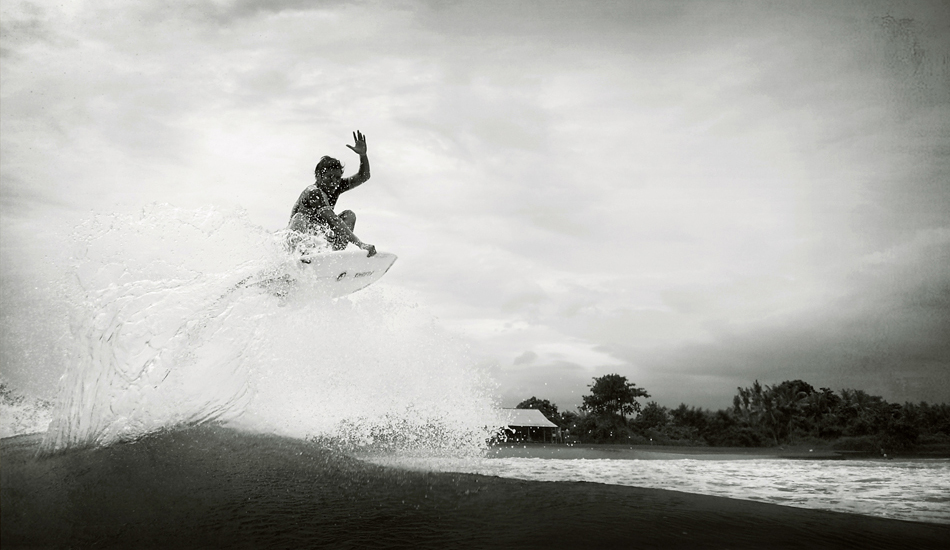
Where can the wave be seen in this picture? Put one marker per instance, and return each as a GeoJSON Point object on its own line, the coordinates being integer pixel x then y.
{"type": "Point", "coordinates": [167, 334]}
{"type": "Point", "coordinates": [22, 414]}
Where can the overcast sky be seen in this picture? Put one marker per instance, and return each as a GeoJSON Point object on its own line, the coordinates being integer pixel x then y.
{"type": "Point", "coordinates": [695, 195]}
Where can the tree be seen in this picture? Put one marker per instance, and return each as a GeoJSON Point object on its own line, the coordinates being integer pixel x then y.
{"type": "Point", "coordinates": [548, 409]}
{"type": "Point", "coordinates": [653, 416]}
{"type": "Point", "coordinates": [862, 413]}
{"type": "Point", "coordinates": [612, 395]}
{"type": "Point", "coordinates": [693, 417]}
{"type": "Point", "coordinates": [568, 418]}
{"type": "Point", "coordinates": [818, 410]}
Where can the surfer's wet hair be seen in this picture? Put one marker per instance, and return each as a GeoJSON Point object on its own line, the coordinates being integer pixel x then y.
{"type": "Point", "coordinates": [327, 163]}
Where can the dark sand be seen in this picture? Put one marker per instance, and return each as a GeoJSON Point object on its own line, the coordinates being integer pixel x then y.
{"type": "Point", "coordinates": [215, 487]}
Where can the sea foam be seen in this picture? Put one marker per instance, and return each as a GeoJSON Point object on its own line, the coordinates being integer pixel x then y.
{"type": "Point", "coordinates": [167, 333]}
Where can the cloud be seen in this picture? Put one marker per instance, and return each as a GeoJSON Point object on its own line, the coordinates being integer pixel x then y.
{"type": "Point", "coordinates": [885, 334]}
{"type": "Point", "coordinates": [560, 382]}
{"type": "Point", "coordinates": [526, 358]}
{"type": "Point", "coordinates": [226, 13]}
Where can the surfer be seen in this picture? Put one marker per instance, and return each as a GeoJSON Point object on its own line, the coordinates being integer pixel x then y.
{"type": "Point", "coordinates": [313, 212]}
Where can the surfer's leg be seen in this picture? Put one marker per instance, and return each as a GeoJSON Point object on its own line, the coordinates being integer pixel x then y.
{"type": "Point", "coordinates": [339, 242]}
{"type": "Point", "coordinates": [297, 227]}
{"type": "Point", "coordinates": [299, 223]}
{"type": "Point", "coordinates": [349, 218]}
{"type": "Point", "coordinates": [334, 239]}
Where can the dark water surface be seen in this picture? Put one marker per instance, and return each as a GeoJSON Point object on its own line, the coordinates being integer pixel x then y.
{"type": "Point", "coordinates": [217, 487]}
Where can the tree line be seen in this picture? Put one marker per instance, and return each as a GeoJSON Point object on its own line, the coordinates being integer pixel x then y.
{"type": "Point", "coordinates": [761, 415]}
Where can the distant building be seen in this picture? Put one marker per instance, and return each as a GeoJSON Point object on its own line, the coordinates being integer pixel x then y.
{"type": "Point", "coordinates": [530, 425]}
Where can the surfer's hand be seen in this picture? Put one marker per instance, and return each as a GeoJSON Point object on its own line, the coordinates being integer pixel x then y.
{"type": "Point", "coordinates": [370, 249]}
{"type": "Point", "coordinates": [360, 145]}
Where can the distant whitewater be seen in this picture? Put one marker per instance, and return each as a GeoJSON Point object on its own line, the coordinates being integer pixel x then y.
{"type": "Point", "coordinates": [908, 489]}
{"type": "Point", "coordinates": [165, 335]}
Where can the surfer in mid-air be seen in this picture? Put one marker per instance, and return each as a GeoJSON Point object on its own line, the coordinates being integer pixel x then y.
{"type": "Point", "coordinates": [313, 212]}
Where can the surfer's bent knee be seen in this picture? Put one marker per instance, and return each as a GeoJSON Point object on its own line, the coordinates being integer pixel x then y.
{"type": "Point", "coordinates": [349, 218]}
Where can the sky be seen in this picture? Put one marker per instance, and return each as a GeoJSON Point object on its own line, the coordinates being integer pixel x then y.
{"type": "Point", "coordinates": [695, 195]}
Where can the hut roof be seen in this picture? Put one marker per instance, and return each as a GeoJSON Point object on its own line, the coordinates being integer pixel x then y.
{"type": "Point", "coordinates": [526, 417]}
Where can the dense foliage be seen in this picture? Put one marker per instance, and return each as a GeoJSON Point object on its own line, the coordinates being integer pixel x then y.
{"type": "Point", "coordinates": [612, 395]}
{"type": "Point", "coordinates": [761, 415]}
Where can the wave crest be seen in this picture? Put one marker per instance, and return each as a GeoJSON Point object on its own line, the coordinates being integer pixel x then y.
{"type": "Point", "coordinates": [166, 335]}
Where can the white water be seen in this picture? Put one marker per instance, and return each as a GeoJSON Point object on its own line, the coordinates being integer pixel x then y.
{"type": "Point", "coordinates": [165, 335]}
{"type": "Point", "coordinates": [22, 414]}
{"type": "Point", "coordinates": [917, 490]}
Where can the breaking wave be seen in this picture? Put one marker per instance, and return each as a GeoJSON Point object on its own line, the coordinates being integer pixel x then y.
{"type": "Point", "coordinates": [167, 333]}
{"type": "Point", "coordinates": [22, 414]}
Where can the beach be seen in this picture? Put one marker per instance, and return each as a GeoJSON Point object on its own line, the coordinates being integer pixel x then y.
{"type": "Point", "coordinates": [655, 452]}
{"type": "Point", "coordinates": [214, 486]}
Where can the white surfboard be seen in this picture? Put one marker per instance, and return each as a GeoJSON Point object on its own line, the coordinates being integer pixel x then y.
{"type": "Point", "coordinates": [329, 274]}
{"type": "Point", "coordinates": [343, 272]}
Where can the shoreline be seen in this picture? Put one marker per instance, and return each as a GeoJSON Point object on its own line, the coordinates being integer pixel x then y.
{"type": "Point", "coordinates": [213, 486]}
{"type": "Point", "coordinates": [653, 452]}
{"type": "Point", "coordinates": [674, 452]}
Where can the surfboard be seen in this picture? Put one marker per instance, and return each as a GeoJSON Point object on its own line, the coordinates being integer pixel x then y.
{"type": "Point", "coordinates": [343, 272]}
{"type": "Point", "coordinates": [329, 274]}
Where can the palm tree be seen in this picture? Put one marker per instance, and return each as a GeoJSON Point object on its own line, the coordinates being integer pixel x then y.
{"type": "Point", "coordinates": [772, 409]}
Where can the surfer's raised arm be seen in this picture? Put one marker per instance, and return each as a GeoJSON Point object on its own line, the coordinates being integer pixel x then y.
{"type": "Point", "coordinates": [359, 147]}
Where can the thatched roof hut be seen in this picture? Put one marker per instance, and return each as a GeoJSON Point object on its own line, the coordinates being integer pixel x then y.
{"type": "Point", "coordinates": [529, 425]}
